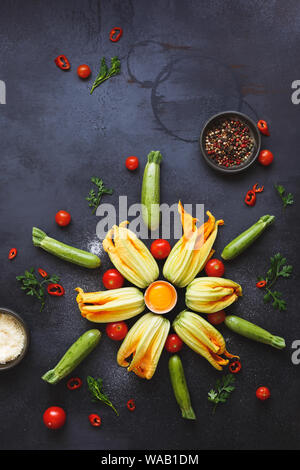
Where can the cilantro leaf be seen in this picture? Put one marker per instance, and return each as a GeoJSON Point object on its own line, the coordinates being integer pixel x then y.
{"type": "Point", "coordinates": [105, 73]}
{"type": "Point", "coordinates": [223, 388]}
{"type": "Point", "coordinates": [32, 286]}
{"type": "Point", "coordinates": [96, 388]}
{"type": "Point", "coordinates": [287, 199]}
{"type": "Point", "coordinates": [94, 198]}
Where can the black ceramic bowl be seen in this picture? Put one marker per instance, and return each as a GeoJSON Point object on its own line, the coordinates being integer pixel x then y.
{"type": "Point", "coordinates": [23, 325]}
{"type": "Point", "coordinates": [254, 132]}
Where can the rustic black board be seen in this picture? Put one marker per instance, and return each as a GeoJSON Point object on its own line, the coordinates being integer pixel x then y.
{"type": "Point", "coordinates": [181, 63]}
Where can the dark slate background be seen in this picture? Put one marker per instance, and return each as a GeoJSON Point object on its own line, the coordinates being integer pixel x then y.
{"type": "Point", "coordinates": [181, 63]}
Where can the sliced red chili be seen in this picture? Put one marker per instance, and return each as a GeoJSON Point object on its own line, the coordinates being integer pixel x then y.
{"type": "Point", "coordinates": [74, 383]}
{"type": "Point", "coordinates": [115, 34]}
{"type": "Point", "coordinates": [95, 420]}
{"type": "Point", "coordinates": [55, 289]}
{"type": "Point", "coordinates": [250, 198]}
{"type": "Point", "coordinates": [42, 273]}
{"type": "Point", "coordinates": [235, 367]}
{"type": "Point", "coordinates": [263, 127]}
{"type": "Point", "coordinates": [12, 253]}
{"type": "Point", "coordinates": [131, 405]}
{"type": "Point", "coordinates": [261, 284]}
{"type": "Point", "coordinates": [256, 189]}
{"type": "Point", "coordinates": [62, 62]}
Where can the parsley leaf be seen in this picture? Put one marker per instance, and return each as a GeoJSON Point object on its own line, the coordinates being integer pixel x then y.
{"type": "Point", "coordinates": [278, 268]}
{"type": "Point", "coordinates": [32, 286]}
{"type": "Point", "coordinates": [105, 73]}
{"type": "Point", "coordinates": [287, 199]}
{"type": "Point", "coordinates": [96, 388]}
{"type": "Point", "coordinates": [224, 387]}
{"type": "Point", "coordinates": [94, 198]}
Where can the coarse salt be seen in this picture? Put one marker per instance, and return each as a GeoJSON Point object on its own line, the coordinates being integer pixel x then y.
{"type": "Point", "coordinates": [12, 338]}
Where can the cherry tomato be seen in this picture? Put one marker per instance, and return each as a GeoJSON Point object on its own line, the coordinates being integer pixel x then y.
{"type": "Point", "coordinates": [116, 331]}
{"type": "Point", "coordinates": [54, 417]}
{"type": "Point", "coordinates": [132, 163]}
{"type": "Point", "coordinates": [112, 279]}
{"type": "Point", "coordinates": [95, 420]}
{"type": "Point", "coordinates": [173, 343]}
{"type": "Point", "coordinates": [160, 248]}
{"type": "Point", "coordinates": [83, 71]}
{"type": "Point", "coordinates": [263, 393]}
{"type": "Point", "coordinates": [216, 318]}
{"type": "Point", "coordinates": [63, 218]}
{"type": "Point", "coordinates": [265, 157]}
{"type": "Point", "coordinates": [215, 268]}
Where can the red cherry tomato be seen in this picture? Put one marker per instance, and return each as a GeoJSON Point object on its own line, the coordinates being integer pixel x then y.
{"type": "Point", "coordinates": [112, 279]}
{"type": "Point", "coordinates": [263, 393]}
{"type": "Point", "coordinates": [132, 163]}
{"type": "Point", "coordinates": [215, 268]}
{"type": "Point", "coordinates": [173, 343]}
{"type": "Point", "coordinates": [265, 157]}
{"type": "Point", "coordinates": [54, 417]}
{"type": "Point", "coordinates": [83, 71]}
{"type": "Point", "coordinates": [216, 318]}
{"type": "Point", "coordinates": [63, 218]}
{"type": "Point", "coordinates": [160, 248]}
{"type": "Point", "coordinates": [116, 331]}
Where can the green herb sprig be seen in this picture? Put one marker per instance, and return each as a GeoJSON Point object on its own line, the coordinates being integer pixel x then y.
{"type": "Point", "coordinates": [105, 73]}
{"type": "Point", "coordinates": [32, 286]}
{"type": "Point", "coordinates": [278, 268]}
{"type": "Point", "coordinates": [223, 388]}
{"type": "Point", "coordinates": [94, 198]}
{"type": "Point", "coordinates": [287, 199]}
{"type": "Point", "coordinates": [96, 389]}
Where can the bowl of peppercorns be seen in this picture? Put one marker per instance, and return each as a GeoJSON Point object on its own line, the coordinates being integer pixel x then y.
{"type": "Point", "coordinates": [230, 142]}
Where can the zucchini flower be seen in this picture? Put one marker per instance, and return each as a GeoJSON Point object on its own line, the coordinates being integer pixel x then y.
{"type": "Point", "coordinates": [110, 305]}
{"type": "Point", "coordinates": [145, 342]}
{"type": "Point", "coordinates": [130, 256]}
{"type": "Point", "coordinates": [211, 294]}
{"type": "Point", "coordinates": [202, 338]}
{"type": "Point", "coordinates": [192, 251]}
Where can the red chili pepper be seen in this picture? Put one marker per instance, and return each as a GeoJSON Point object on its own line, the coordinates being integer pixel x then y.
{"type": "Point", "coordinates": [74, 383]}
{"type": "Point", "coordinates": [12, 253]}
{"type": "Point", "coordinates": [261, 284]}
{"type": "Point", "coordinates": [42, 273]}
{"type": "Point", "coordinates": [131, 405]}
{"type": "Point", "coordinates": [115, 34]}
{"type": "Point", "coordinates": [235, 367]}
{"type": "Point", "coordinates": [95, 420]}
{"type": "Point", "coordinates": [250, 198]}
{"type": "Point", "coordinates": [263, 127]}
{"type": "Point", "coordinates": [55, 289]}
{"type": "Point", "coordinates": [62, 62]}
{"type": "Point", "coordinates": [256, 189]}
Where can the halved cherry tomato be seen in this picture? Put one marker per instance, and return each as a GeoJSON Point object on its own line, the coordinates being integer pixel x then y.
{"type": "Point", "coordinates": [173, 343]}
{"type": "Point", "coordinates": [83, 71]}
{"type": "Point", "coordinates": [74, 383]}
{"type": "Point", "coordinates": [112, 279]}
{"type": "Point", "coordinates": [63, 218]}
{"type": "Point", "coordinates": [235, 367]}
{"type": "Point", "coordinates": [216, 318]}
{"type": "Point", "coordinates": [117, 330]}
{"type": "Point", "coordinates": [263, 393]}
{"type": "Point", "coordinates": [54, 417]}
{"type": "Point", "coordinates": [132, 163]}
{"type": "Point", "coordinates": [12, 253]}
{"type": "Point", "coordinates": [131, 404]}
{"type": "Point", "coordinates": [265, 157]}
{"type": "Point", "coordinates": [215, 268]}
{"type": "Point", "coordinates": [42, 273]}
{"type": "Point", "coordinates": [95, 420]}
{"type": "Point", "coordinates": [160, 248]}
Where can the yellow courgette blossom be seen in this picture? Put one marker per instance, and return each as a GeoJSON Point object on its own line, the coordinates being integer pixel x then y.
{"type": "Point", "coordinates": [193, 250]}
{"type": "Point", "coordinates": [211, 294]}
{"type": "Point", "coordinates": [145, 342]}
{"type": "Point", "coordinates": [130, 256]}
{"type": "Point", "coordinates": [111, 305]}
{"type": "Point", "coordinates": [202, 338]}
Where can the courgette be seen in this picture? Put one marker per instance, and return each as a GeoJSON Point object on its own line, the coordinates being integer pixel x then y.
{"type": "Point", "coordinates": [151, 191]}
{"type": "Point", "coordinates": [254, 332]}
{"type": "Point", "coordinates": [180, 388]}
{"type": "Point", "coordinates": [63, 251]}
{"type": "Point", "coordinates": [73, 357]}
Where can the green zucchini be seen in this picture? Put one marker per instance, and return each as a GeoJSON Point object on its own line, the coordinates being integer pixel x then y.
{"type": "Point", "coordinates": [151, 191]}
{"type": "Point", "coordinates": [63, 251]}
{"type": "Point", "coordinates": [245, 239]}
{"type": "Point", "coordinates": [254, 332]}
{"type": "Point", "coordinates": [73, 357]}
{"type": "Point", "coordinates": [180, 388]}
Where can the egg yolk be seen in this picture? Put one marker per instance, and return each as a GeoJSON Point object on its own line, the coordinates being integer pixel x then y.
{"type": "Point", "coordinates": [161, 296]}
